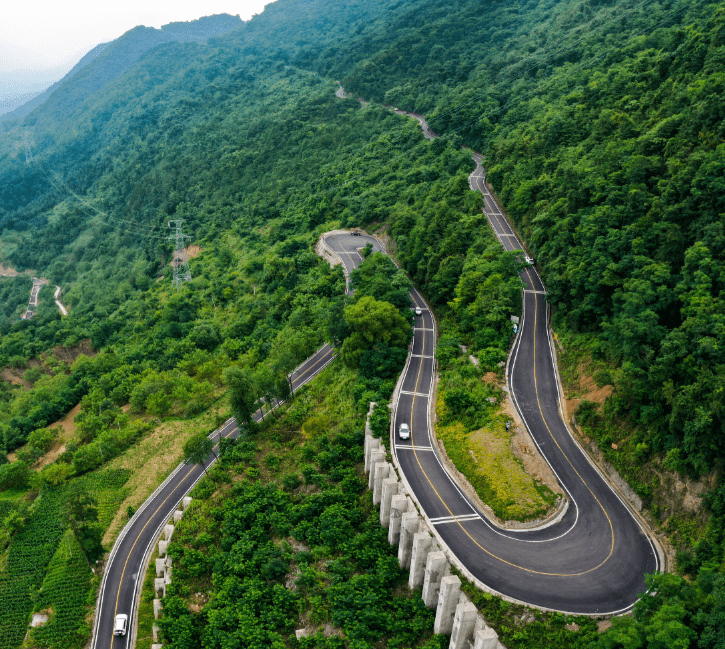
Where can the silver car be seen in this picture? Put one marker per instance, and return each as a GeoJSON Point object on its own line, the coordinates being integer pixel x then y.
{"type": "Point", "coordinates": [404, 431]}
{"type": "Point", "coordinates": [418, 311]}
{"type": "Point", "coordinates": [120, 625]}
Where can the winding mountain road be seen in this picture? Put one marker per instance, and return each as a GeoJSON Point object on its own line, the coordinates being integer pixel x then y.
{"type": "Point", "coordinates": [592, 561]}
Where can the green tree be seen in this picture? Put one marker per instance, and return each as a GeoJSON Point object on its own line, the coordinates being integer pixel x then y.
{"type": "Point", "coordinates": [197, 450]}
{"type": "Point", "coordinates": [372, 322]}
{"type": "Point", "coordinates": [243, 391]}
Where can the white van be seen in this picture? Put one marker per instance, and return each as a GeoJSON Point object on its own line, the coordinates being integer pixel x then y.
{"type": "Point", "coordinates": [120, 625]}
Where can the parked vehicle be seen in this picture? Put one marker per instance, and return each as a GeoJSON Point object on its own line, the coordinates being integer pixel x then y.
{"type": "Point", "coordinates": [120, 625]}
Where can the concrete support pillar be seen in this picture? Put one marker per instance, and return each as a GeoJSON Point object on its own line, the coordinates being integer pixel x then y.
{"type": "Point", "coordinates": [186, 502]}
{"type": "Point", "coordinates": [162, 548]}
{"type": "Point", "coordinates": [177, 515]}
{"type": "Point", "coordinates": [168, 531]}
{"type": "Point", "coordinates": [382, 470]}
{"type": "Point", "coordinates": [157, 608]}
{"type": "Point", "coordinates": [447, 602]}
{"type": "Point", "coordinates": [436, 567]}
{"type": "Point", "coordinates": [485, 639]}
{"type": "Point", "coordinates": [377, 455]}
{"type": "Point", "coordinates": [368, 431]}
{"type": "Point", "coordinates": [371, 444]}
{"type": "Point", "coordinates": [155, 632]}
{"type": "Point", "coordinates": [390, 489]}
{"type": "Point", "coordinates": [422, 543]}
{"type": "Point", "coordinates": [160, 565]}
{"type": "Point", "coordinates": [160, 586]}
{"type": "Point", "coordinates": [398, 506]}
{"type": "Point", "coordinates": [464, 621]}
{"type": "Point", "coordinates": [409, 525]}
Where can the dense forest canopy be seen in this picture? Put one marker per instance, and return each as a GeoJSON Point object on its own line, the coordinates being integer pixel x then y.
{"type": "Point", "coordinates": [602, 125]}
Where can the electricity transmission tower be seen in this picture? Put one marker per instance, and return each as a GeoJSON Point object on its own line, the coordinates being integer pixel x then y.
{"type": "Point", "coordinates": [28, 152]}
{"type": "Point", "coordinates": [182, 272]}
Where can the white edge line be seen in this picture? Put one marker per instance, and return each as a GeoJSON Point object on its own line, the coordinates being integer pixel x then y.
{"type": "Point", "coordinates": [148, 501]}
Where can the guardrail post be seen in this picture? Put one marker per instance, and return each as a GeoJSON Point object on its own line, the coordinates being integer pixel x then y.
{"type": "Point", "coordinates": [464, 621]}
{"type": "Point", "coordinates": [486, 639]}
{"type": "Point", "coordinates": [371, 444]}
{"type": "Point", "coordinates": [377, 455]}
{"type": "Point", "coordinates": [390, 489]}
{"type": "Point", "coordinates": [382, 471]}
{"type": "Point", "coordinates": [409, 525]}
{"type": "Point", "coordinates": [398, 506]}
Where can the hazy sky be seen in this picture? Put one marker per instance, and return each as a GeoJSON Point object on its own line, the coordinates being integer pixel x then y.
{"type": "Point", "coordinates": [45, 39]}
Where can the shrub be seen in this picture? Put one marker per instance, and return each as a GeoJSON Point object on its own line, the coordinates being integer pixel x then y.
{"type": "Point", "coordinates": [42, 439]}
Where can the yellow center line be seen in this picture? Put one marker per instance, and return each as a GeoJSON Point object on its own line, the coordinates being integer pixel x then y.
{"type": "Point", "coordinates": [128, 556]}
{"type": "Point", "coordinates": [123, 572]}
{"type": "Point", "coordinates": [299, 376]}
{"type": "Point", "coordinates": [460, 524]}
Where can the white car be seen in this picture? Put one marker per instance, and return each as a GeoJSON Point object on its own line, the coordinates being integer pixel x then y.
{"type": "Point", "coordinates": [528, 260]}
{"type": "Point", "coordinates": [418, 311]}
{"type": "Point", "coordinates": [404, 431]}
{"type": "Point", "coordinates": [120, 625]}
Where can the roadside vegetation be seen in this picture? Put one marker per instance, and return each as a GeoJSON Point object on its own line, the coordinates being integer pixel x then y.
{"type": "Point", "coordinates": [283, 535]}
{"type": "Point", "coordinates": [601, 126]}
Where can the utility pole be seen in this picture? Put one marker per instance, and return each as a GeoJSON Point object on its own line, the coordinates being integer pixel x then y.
{"type": "Point", "coordinates": [182, 272]}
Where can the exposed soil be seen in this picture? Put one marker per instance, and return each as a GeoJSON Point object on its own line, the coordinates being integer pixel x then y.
{"type": "Point", "coordinates": [588, 390]}
{"type": "Point", "coordinates": [70, 354]}
{"type": "Point", "coordinates": [15, 377]}
{"type": "Point", "coordinates": [525, 449]}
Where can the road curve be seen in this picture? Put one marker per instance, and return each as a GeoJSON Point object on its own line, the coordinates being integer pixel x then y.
{"type": "Point", "coordinates": [591, 562]}
{"type": "Point", "coordinates": [123, 575]}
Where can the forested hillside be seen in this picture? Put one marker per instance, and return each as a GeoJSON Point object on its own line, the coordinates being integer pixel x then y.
{"type": "Point", "coordinates": [602, 126]}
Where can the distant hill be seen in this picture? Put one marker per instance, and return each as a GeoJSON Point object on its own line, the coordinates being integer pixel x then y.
{"type": "Point", "coordinates": [37, 98]}
{"type": "Point", "coordinates": [113, 59]}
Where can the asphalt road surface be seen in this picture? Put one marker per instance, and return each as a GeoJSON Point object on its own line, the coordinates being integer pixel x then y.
{"type": "Point", "coordinates": [123, 570]}
{"type": "Point", "coordinates": [593, 561]}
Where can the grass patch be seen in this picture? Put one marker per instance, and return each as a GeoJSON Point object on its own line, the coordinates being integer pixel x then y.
{"type": "Point", "coordinates": [486, 459]}
{"type": "Point", "coordinates": [473, 431]}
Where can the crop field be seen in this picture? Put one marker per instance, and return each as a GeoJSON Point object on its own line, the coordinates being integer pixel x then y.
{"type": "Point", "coordinates": [45, 568]}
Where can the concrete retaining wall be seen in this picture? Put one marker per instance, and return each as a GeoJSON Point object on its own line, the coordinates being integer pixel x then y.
{"type": "Point", "coordinates": [163, 565]}
{"type": "Point", "coordinates": [419, 551]}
